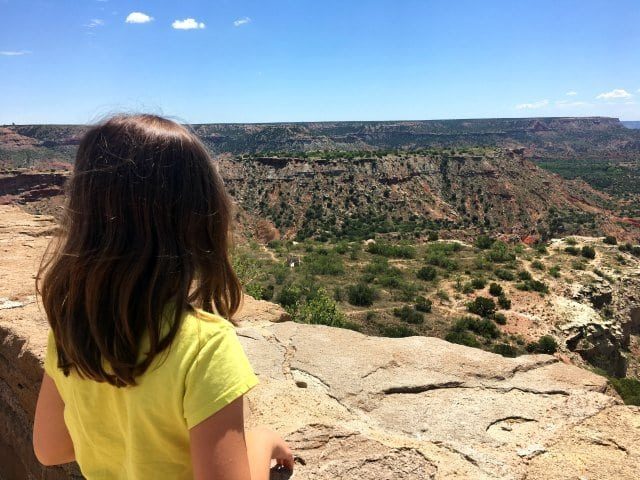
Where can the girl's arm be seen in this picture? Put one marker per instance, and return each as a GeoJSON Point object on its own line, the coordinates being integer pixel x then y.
{"type": "Point", "coordinates": [51, 440]}
{"type": "Point", "coordinates": [220, 450]}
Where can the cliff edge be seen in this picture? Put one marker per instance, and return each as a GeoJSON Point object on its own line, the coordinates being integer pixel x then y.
{"type": "Point", "coordinates": [354, 406]}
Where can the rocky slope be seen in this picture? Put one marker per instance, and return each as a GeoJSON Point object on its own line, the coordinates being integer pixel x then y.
{"type": "Point", "coordinates": [354, 406]}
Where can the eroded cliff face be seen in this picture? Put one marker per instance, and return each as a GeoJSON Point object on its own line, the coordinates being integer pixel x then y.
{"type": "Point", "coordinates": [357, 407]}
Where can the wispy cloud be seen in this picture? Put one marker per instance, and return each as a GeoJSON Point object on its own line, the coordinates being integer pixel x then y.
{"type": "Point", "coordinates": [241, 21]}
{"type": "Point", "coordinates": [567, 103]}
{"type": "Point", "coordinates": [138, 17]}
{"type": "Point", "coordinates": [14, 53]}
{"type": "Point", "coordinates": [616, 93]}
{"type": "Point", "coordinates": [525, 106]}
{"type": "Point", "coordinates": [95, 22]}
{"type": "Point", "coordinates": [187, 24]}
{"type": "Point", "coordinates": [571, 93]}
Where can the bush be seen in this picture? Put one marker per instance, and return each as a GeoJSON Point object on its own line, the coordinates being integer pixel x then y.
{"type": "Point", "coordinates": [483, 306]}
{"type": "Point", "coordinates": [503, 274]}
{"type": "Point", "coordinates": [478, 283]}
{"type": "Point", "coordinates": [505, 350]}
{"type": "Point", "coordinates": [323, 262]}
{"type": "Point", "coordinates": [289, 295]}
{"type": "Point", "coordinates": [320, 310]}
{"type": "Point", "coordinates": [555, 271]}
{"type": "Point", "coordinates": [628, 389]}
{"type": "Point", "coordinates": [462, 338]}
{"type": "Point", "coordinates": [483, 242]}
{"type": "Point", "coordinates": [588, 252]}
{"type": "Point", "coordinates": [500, 253]}
{"type": "Point", "coordinates": [524, 275]}
{"type": "Point", "coordinates": [537, 264]}
{"type": "Point", "coordinates": [433, 236]}
{"type": "Point", "coordinates": [546, 344]}
{"type": "Point", "coordinates": [423, 304]}
{"type": "Point", "coordinates": [484, 327]}
{"type": "Point", "coordinates": [409, 315]}
{"type": "Point", "coordinates": [394, 251]}
{"type": "Point", "coordinates": [427, 273]}
{"type": "Point", "coordinates": [610, 240]}
{"type": "Point", "coordinates": [338, 294]}
{"type": "Point", "coordinates": [495, 290]}
{"type": "Point", "coordinates": [500, 318]}
{"type": "Point", "coordinates": [571, 250]}
{"type": "Point", "coordinates": [395, 331]}
{"type": "Point", "coordinates": [533, 286]}
{"type": "Point", "coordinates": [504, 302]}
{"type": "Point", "coordinates": [360, 295]}
{"type": "Point", "coordinates": [439, 259]}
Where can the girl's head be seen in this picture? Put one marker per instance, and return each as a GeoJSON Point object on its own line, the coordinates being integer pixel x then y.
{"type": "Point", "coordinates": [146, 222]}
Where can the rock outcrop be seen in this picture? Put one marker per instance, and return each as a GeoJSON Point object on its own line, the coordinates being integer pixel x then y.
{"type": "Point", "coordinates": [354, 406]}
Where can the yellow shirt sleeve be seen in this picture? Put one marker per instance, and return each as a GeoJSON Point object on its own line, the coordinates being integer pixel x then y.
{"type": "Point", "coordinates": [219, 374]}
{"type": "Point", "coordinates": [51, 356]}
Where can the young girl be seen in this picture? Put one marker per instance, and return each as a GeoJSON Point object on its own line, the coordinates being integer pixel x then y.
{"type": "Point", "coordinates": [142, 379]}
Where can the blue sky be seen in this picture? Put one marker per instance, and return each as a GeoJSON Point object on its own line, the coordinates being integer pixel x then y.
{"type": "Point", "coordinates": [74, 61]}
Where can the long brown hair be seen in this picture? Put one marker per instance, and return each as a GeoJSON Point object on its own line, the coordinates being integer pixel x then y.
{"type": "Point", "coordinates": [146, 223]}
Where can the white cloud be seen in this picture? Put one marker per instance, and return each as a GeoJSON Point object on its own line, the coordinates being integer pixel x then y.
{"type": "Point", "coordinates": [241, 21]}
{"type": "Point", "coordinates": [14, 53]}
{"type": "Point", "coordinates": [187, 24]}
{"type": "Point", "coordinates": [95, 22]}
{"type": "Point", "coordinates": [540, 104]}
{"type": "Point", "coordinates": [616, 93]}
{"type": "Point", "coordinates": [138, 17]}
{"type": "Point", "coordinates": [571, 93]}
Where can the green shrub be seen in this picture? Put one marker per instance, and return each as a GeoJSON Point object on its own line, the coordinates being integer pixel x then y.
{"type": "Point", "coordinates": [440, 259]}
{"type": "Point", "coordinates": [462, 338]}
{"type": "Point", "coordinates": [533, 286]}
{"type": "Point", "coordinates": [320, 310]}
{"type": "Point", "coordinates": [588, 252]}
{"type": "Point", "coordinates": [547, 344]}
{"type": "Point", "coordinates": [483, 242]}
{"type": "Point", "coordinates": [395, 331]}
{"type": "Point", "coordinates": [571, 250]}
{"type": "Point", "coordinates": [500, 253]}
{"type": "Point", "coordinates": [504, 302]}
{"type": "Point", "coordinates": [394, 251]}
{"type": "Point", "coordinates": [478, 283]}
{"type": "Point", "coordinates": [360, 295]}
{"type": "Point", "coordinates": [323, 262]}
{"type": "Point", "coordinates": [628, 389]}
{"type": "Point", "coordinates": [500, 318]}
{"type": "Point", "coordinates": [483, 306]}
{"type": "Point", "coordinates": [541, 248]}
{"type": "Point", "coordinates": [495, 290]}
{"type": "Point", "coordinates": [610, 240]}
{"type": "Point", "coordinates": [467, 288]}
{"type": "Point", "coordinates": [505, 349]}
{"type": "Point", "coordinates": [289, 295]}
{"type": "Point", "coordinates": [555, 271]}
{"type": "Point", "coordinates": [427, 273]}
{"type": "Point", "coordinates": [409, 315]}
{"type": "Point", "coordinates": [442, 295]}
{"type": "Point", "coordinates": [338, 294]}
{"type": "Point", "coordinates": [524, 275]}
{"type": "Point", "coordinates": [503, 274]}
{"type": "Point", "coordinates": [423, 304]}
{"type": "Point", "coordinates": [432, 236]}
{"type": "Point", "coordinates": [483, 326]}
{"type": "Point", "coordinates": [570, 241]}
{"type": "Point", "coordinates": [537, 264]}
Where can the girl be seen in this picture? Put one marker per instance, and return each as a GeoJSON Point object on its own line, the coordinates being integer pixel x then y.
{"type": "Point", "coordinates": [142, 379]}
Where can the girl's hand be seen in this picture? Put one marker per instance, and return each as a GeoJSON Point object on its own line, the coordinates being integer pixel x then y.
{"type": "Point", "coordinates": [278, 448]}
{"type": "Point", "coordinates": [281, 452]}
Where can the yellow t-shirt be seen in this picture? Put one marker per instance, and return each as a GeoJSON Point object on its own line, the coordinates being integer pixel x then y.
{"type": "Point", "coordinates": [141, 432]}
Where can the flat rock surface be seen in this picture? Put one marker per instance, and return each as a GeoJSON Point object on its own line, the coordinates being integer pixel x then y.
{"type": "Point", "coordinates": [358, 407]}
